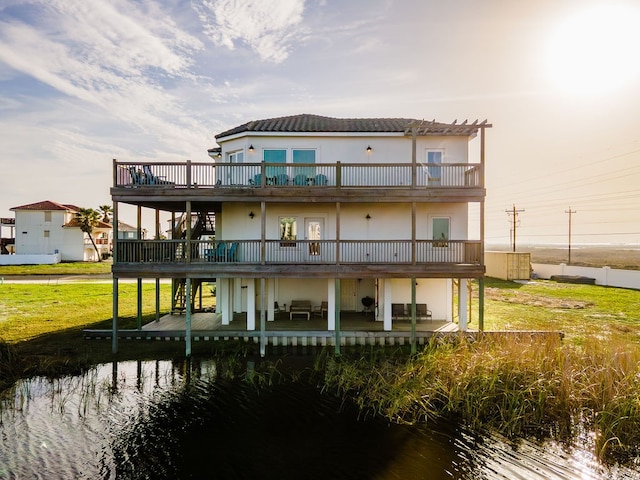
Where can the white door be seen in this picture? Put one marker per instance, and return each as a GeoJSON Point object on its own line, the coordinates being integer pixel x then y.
{"type": "Point", "coordinates": [348, 294]}
{"type": "Point", "coordinates": [313, 228]}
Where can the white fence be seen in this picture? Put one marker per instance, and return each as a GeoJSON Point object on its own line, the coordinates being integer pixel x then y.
{"type": "Point", "coordinates": [30, 259]}
{"type": "Point", "coordinates": [606, 276]}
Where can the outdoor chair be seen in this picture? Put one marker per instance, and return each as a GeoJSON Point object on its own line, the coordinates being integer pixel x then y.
{"type": "Point", "coordinates": [397, 310]}
{"type": "Point", "coordinates": [321, 309]}
{"type": "Point", "coordinates": [221, 252]}
{"type": "Point", "coordinates": [300, 180]}
{"type": "Point", "coordinates": [421, 311]}
{"type": "Point", "coordinates": [282, 179]}
{"type": "Point", "coordinates": [152, 179]}
{"type": "Point", "coordinates": [257, 180]}
{"type": "Point", "coordinates": [231, 253]}
{"type": "Point", "coordinates": [321, 179]}
{"type": "Point", "coordinates": [136, 176]}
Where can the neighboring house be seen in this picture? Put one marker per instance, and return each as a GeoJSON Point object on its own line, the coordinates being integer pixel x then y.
{"type": "Point", "coordinates": [331, 211]}
{"type": "Point", "coordinates": [47, 227]}
{"type": "Point", "coordinates": [127, 232]}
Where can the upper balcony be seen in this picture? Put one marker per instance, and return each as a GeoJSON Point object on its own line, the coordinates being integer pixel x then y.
{"type": "Point", "coordinates": [152, 184]}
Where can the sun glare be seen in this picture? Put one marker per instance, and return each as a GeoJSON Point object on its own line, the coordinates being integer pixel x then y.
{"type": "Point", "coordinates": [596, 50]}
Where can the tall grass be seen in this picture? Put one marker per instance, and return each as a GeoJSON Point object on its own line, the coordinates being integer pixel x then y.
{"type": "Point", "coordinates": [516, 385]}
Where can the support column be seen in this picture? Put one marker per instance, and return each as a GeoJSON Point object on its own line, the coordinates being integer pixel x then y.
{"type": "Point", "coordinates": [387, 321]}
{"type": "Point", "coordinates": [481, 304]}
{"type": "Point", "coordinates": [337, 310]}
{"type": "Point", "coordinates": [331, 304]}
{"type": "Point", "coordinates": [157, 237]}
{"type": "Point", "coordinates": [263, 317]}
{"type": "Point", "coordinates": [187, 333]}
{"type": "Point", "coordinates": [139, 319]}
{"type": "Point", "coordinates": [271, 298]}
{"type": "Point", "coordinates": [462, 304]}
{"type": "Point", "coordinates": [222, 299]}
{"type": "Point", "coordinates": [413, 316]}
{"type": "Point", "coordinates": [114, 329]}
{"type": "Point", "coordinates": [251, 304]}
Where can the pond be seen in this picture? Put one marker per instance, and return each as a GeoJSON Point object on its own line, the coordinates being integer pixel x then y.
{"type": "Point", "coordinates": [164, 419]}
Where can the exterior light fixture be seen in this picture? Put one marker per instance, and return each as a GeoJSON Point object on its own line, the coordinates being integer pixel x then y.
{"type": "Point", "coordinates": [251, 214]}
{"type": "Point", "coordinates": [368, 217]}
{"type": "Point", "coordinates": [369, 149]}
{"type": "Point", "coordinates": [251, 148]}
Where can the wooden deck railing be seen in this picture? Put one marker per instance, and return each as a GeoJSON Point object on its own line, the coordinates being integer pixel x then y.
{"type": "Point", "coordinates": [260, 175]}
{"type": "Point", "coordinates": [328, 252]}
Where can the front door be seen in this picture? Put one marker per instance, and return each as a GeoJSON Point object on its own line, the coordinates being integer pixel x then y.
{"type": "Point", "coordinates": [348, 294]}
{"type": "Point", "coordinates": [313, 228]}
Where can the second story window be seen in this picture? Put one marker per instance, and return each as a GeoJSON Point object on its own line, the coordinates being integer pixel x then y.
{"type": "Point", "coordinates": [274, 156]}
{"type": "Point", "coordinates": [434, 170]}
{"type": "Point", "coordinates": [236, 157]}
{"type": "Point", "coordinates": [440, 229]}
{"type": "Point", "coordinates": [47, 216]}
{"type": "Point", "coordinates": [288, 231]}
{"type": "Point", "coordinates": [303, 173]}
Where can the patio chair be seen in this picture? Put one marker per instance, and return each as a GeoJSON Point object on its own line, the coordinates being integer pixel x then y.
{"type": "Point", "coordinates": [300, 180]}
{"type": "Point", "coordinates": [321, 309]}
{"type": "Point", "coordinates": [136, 176]}
{"type": "Point", "coordinates": [152, 179]}
{"type": "Point", "coordinates": [397, 311]}
{"type": "Point", "coordinates": [282, 179]}
{"type": "Point", "coordinates": [321, 179]}
{"type": "Point", "coordinates": [421, 311]}
{"type": "Point", "coordinates": [221, 252]}
{"type": "Point", "coordinates": [231, 253]}
{"type": "Point", "coordinates": [257, 180]}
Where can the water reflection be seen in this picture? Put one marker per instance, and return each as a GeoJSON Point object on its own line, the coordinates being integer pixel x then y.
{"type": "Point", "coordinates": [164, 419]}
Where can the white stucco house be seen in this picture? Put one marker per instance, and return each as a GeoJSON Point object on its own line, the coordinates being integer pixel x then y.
{"type": "Point", "coordinates": [50, 228]}
{"type": "Point", "coordinates": [331, 213]}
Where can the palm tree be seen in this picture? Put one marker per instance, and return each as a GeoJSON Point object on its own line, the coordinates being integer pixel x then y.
{"type": "Point", "coordinates": [106, 211]}
{"type": "Point", "coordinates": [88, 219]}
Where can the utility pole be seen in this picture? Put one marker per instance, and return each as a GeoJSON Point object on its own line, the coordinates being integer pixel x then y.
{"type": "Point", "coordinates": [570, 212]}
{"type": "Point", "coordinates": [514, 213]}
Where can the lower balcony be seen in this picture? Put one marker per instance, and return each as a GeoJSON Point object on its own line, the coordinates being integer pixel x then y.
{"type": "Point", "coordinates": [255, 258]}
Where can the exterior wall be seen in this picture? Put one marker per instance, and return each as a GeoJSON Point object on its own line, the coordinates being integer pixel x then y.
{"type": "Point", "coordinates": [350, 148]}
{"type": "Point", "coordinates": [436, 293]}
{"type": "Point", "coordinates": [30, 259]}
{"type": "Point", "coordinates": [388, 221]}
{"type": "Point", "coordinates": [30, 228]}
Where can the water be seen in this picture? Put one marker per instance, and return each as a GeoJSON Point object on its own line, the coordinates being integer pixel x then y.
{"type": "Point", "coordinates": [163, 420]}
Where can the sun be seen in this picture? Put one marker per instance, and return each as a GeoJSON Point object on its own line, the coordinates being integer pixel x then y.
{"type": "Point", "coordinates": [596, 50]}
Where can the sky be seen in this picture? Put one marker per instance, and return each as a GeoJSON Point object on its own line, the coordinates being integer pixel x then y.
{"type": "Point", "coordinates": [84, 82]}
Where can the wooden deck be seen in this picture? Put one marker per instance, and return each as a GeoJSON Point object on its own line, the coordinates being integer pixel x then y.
{"type": "Point", "coordinates": [355, 329]}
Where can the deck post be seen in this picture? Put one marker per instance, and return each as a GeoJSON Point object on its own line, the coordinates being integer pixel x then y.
{"type": "Point", "coordinates": [463, 319]}
{"type": "Point", "coordinates": [139, 320]}
{"type": "Point", "coordinates": [337, 331]}
{"type": "Point", "coordinates": [187, 306]}
{"type": "Point", "coordinates": [481, 304]}
{"type": "Point", "coordinates": [114, 332]}
{"type": "Point", "coordinates": [263, 338]}
{"type": "Point", "coordinates": [413, 316]}
{"type": "Point", "coordinates": [157, 299]}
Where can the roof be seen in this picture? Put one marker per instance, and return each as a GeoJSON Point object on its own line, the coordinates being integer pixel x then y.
{"type": "Point", "coordinates": [75, 223]}
{"type": "Point", "coordinates": [306, 123]}
{"type": "Point", "coordinates": [47, 205]}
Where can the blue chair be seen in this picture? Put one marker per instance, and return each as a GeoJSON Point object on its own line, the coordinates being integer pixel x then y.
{"type": "Point", "coordinates": [221, 254]}
{"type": "Point", "coordinates": [321, 179]}
{"type": "Point", "coordinates": [136, 176]}
{"type": "Point", "coordinates": [300, 180]}
{"type": "Point", "coordinates": [231, 253]}
{"type": "Point", "coordinates": [282, 179]}
{"type": "Point", "coordinates": [257, 179]}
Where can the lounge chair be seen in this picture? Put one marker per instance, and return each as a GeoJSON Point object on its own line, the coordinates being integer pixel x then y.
{"type": "Point", "coordinates": [137, 177]}
{"type": "Point", "coordinates": [152, 179]}
{"type": "Point", "coordinates": [257, 180]}
{"type": "Point", "coordinates": [282, 179]}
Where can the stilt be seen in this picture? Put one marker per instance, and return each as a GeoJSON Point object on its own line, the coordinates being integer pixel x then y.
{"type": "Point", "coordinates": [114, 333]}
{"type": "Point", "coordinates": [337, 346]}
{"type": "Point", "coordinates": [187, 333]}
{"type": "Point", "coordinates": [413, 316]}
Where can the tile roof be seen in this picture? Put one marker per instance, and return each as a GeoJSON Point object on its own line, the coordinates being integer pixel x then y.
{"type": "Point", "coordinates": [75, 223]}
{"type": "Point", "coordinates": [306, 123]}
{"type": "Point", "coordinates": [46, 205]}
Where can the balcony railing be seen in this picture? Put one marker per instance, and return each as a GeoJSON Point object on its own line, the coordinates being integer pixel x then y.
{"type": "Point", "coordinates": [310, 252]}
{"type": "Point", "coordinates": [278, 175]}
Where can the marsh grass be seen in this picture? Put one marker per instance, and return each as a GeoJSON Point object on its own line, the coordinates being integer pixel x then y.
{"type": "Point", "coordinates": [514, 384]}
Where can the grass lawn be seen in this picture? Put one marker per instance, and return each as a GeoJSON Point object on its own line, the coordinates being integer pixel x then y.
{"type": "Point", "coordinates": [70, 268]}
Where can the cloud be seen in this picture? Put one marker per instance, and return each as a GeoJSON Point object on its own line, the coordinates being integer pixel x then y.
{"type": "Point", "coordinates": [268, 27]}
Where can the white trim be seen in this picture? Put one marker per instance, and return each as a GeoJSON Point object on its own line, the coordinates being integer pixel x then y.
{"type": "Point", "coordinates": [235, 136]}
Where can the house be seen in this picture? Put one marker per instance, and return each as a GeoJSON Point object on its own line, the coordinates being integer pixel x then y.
{"type": "Point", "coordinates": [381, 216]}
{"type": "Point", "coordinates": [48, 228]}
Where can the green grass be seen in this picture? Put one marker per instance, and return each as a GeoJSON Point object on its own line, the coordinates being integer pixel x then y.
{"type": "Point", "coordinates": [580, 311]}
{"type": "Point", "coordinates": [70, 268]}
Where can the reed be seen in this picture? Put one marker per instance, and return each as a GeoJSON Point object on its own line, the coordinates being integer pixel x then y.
{"type": "Point", "coordinates": [514, 384]}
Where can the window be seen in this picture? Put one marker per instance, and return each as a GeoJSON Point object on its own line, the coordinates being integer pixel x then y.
{"type": "Point", "coordinates": [306, 156]}
{"type": "Point", "coordinates": [434, 170]}
{"type": "Point", "coordinates": [236, 157]}
{"type": "Point", "coordinates": [274, 156]}
{"type": "Point", "coordinates": [288, 231]}
{"type": "Point", "coordinates": [440, 228]}
{"type": "Point", "coordinates": [46, 234]}
{"type": "Point", "coordinates": [47, 216]}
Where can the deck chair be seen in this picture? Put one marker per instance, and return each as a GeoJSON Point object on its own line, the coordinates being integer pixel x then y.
{"type": "Point", "coordinates": [282, 179]}
{"type": "Point", "coordinates": [231, 253]}
{"type": "Point", "coordinates": [257, 180]}
{"type": "Point", "coordinates": [300, 180]}
{"type": "Point", "coordinates": [321, 179]}
{"type": "Point", "coordinates": [321, 309]}
{"type": "Point", "coordinates": [150, 178]}
{"type": "Point", "coordinates": [397, 310]}
{"type": "Point", "coordinates": [136, 176]}
{"type": "Point", "coordinates": [421, 311]}
{"type": "Point", "coordinates": [221, 253]}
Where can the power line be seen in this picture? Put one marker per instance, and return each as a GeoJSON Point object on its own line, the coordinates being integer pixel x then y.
{"type": "Point", "coordinates": [514, 213]}
{"type": "Point", "coordinates": [570, 212]}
